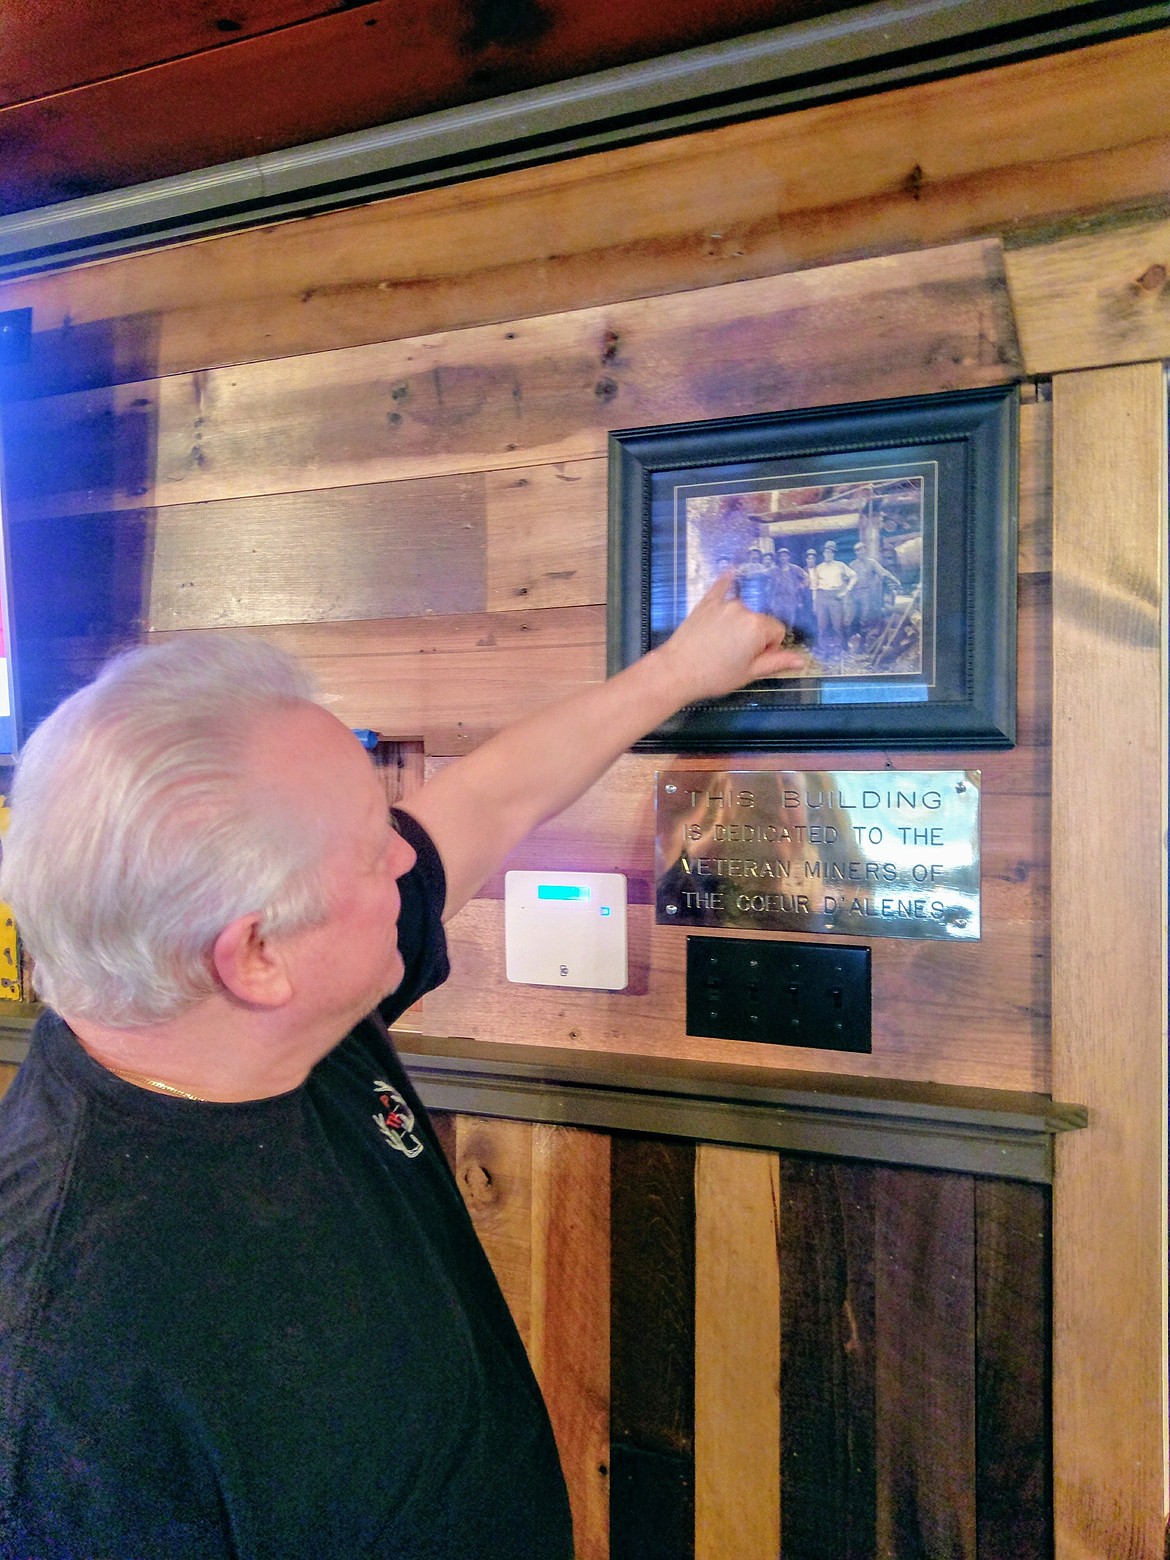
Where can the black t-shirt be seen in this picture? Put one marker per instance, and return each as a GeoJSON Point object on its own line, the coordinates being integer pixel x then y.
{"type": "Point", "coordinates": [261, 1330]}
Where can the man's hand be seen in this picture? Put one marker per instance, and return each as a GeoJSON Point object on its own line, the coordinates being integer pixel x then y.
{"type": "Point", "coordinates": [722, 645]}
{"type": "Point", "coordinates": [479, 808]}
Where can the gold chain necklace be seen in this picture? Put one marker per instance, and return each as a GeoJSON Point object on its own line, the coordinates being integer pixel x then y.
{"type": "Point", "coordinates": [157, 1083]}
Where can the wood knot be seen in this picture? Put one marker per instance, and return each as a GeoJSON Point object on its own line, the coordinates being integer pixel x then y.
{"type": "Point", "coordinates": [1153, 278]}
{"type": "Point", "coordinates": [913, 182]}
{"type": "Point", "coordinates": [478, 1185]}
{"type": "Point", "coordinates": [605, 389]}
{"type": "Point", "coordinates": [610, 346]}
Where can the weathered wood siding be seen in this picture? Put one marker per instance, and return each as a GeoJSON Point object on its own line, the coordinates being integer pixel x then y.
{"type": "Point", "coordinates": [394, 513]}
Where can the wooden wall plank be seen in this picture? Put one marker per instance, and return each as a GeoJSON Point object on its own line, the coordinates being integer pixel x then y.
{"type": "Point", "coordinates": [493, 1165]}
{"type": "Point", "coordinates": [615, 821]}
{"type": "Point", "coordinates": [974, 1014]}
{"type": "Point", "coordinates": [7, 1074]}
{"type": "Point", "coordinates": [1094, 298]}
{"type": "Point", "coordinates": [1035, 501]}
{"type": "Point", "coordinates": [737, 1355]}
{"type": "Point", "coordinates": [925, 1365]}
{"type": "Point", "coordinates": [46, 51]}
{"type": "Point", "coordinates": [965, 156]}
{"type": "Point", "coordinates": [571, 1316]}
{"type": "Point", "coordinates": [465, 676]}
{"type": "Point", "coordinates": [546, 535]}
{"type": "Point", "coordinates": [652, 1332]}
{"type": "Point", "coordinates": [1013, 1322]}
{"type": "Point", "coordinates": [437, 54]}
{"type": "Point", "coordinates": [827, 1332]}
{"type": "Point", "coordinates": [1109, 968]}
{"type": "Point", "coordinates": [450, 681]}
{"type": "Point", "coordinates": [397, 549]}
{"type": "Point", "coordinates": [535, 391]}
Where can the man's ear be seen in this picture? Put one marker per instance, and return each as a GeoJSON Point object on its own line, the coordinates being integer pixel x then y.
{"type": "Point", "coordinates": [248, 965]}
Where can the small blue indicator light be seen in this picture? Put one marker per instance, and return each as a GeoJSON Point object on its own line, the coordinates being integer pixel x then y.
{"type": "Point", "coordinates": [560, 891]}
{"type": "Point", "coordinates": [605, 909]}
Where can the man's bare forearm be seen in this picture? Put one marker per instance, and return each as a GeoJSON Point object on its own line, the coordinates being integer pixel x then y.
{"type": "Point", "coordinates": [479, 808]}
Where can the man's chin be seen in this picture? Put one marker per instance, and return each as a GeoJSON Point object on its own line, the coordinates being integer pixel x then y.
{"type": "Point", "coordinates": [395, 980]}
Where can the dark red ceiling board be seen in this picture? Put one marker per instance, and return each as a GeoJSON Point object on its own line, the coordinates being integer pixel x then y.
{"type": "Point", "coordinates": [362, 66]}
{"type": "Point", "coordinates": [49, 46]}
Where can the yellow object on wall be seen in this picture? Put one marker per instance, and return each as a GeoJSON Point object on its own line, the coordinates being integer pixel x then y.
{"type": "Point", "coordinates": [11, 986]}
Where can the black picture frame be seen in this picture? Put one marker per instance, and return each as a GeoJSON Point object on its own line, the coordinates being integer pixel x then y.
{"type": "Point", "coordinates": [919, 652]}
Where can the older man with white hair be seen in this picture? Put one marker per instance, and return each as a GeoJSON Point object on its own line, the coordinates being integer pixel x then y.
{"type": "Point", "coordinates": [243, 1312]}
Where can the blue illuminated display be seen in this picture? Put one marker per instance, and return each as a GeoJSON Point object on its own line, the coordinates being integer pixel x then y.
{"type": "Point", "coordinates": [561, 891]}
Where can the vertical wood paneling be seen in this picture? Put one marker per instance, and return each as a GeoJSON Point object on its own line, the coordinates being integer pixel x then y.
{"type": "Point", "coordinates": [494, 1171]}
{"type": "Point", "coordinates": [652, 1423]}
{"type": "Point", "coordinates": [827, 1403]}
{"type": "Point", "coordinates": [570, 1316]}
{"type": "Point", "coordinates": [737, 1354]}
{"type": "Point", "coordinates": [924, 1310]}
{"type": "Point", "coordinates": [1013, 1438]}
{"type": "Point", "coordinates": [1109, 961]}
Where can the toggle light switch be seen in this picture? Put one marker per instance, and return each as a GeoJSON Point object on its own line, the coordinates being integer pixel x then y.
{"type": "Point", "coordinates": [785, 993]}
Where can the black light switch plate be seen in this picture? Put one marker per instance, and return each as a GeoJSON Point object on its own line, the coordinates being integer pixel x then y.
{"type": "Point", "coordinates": [814, 994]}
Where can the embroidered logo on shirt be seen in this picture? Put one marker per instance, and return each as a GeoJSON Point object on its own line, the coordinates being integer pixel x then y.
{"type": "Point", "coordinates": [395, 1120]}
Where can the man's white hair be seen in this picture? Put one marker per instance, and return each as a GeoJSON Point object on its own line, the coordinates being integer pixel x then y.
{"type": "Point", "coordinates": [138, 832]}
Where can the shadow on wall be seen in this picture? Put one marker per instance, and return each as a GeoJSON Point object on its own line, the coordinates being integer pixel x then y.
{"type": "Point", "coordinates": [79, 420]}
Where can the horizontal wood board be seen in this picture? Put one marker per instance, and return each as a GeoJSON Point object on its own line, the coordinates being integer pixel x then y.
{"type": "Point", "coordinates": [431, 46]}
{"type": "Point", "coordinates": [532, 391]}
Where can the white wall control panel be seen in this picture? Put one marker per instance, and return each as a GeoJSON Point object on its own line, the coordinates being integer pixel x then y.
{"type": "Point", "coordinates": [566, 929]}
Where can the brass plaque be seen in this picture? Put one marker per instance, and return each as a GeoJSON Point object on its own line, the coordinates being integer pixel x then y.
{"type": "Point", "coordinates": [890, 853]}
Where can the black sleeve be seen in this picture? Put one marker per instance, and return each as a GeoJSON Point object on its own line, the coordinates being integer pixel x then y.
{"type": "Point", "coordinates": [421, 939]}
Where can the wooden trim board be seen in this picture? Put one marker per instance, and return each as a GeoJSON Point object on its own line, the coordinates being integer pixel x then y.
{"type": "Point", "coordinates": [1109, 961]}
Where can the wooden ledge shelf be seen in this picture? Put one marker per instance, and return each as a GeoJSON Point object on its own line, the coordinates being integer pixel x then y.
{"type": "Point", "coordinates": [926, 1125]}
{"type": "Point", "coordinates": [930, 1126]}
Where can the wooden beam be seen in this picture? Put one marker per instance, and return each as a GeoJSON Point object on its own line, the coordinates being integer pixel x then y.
{"type": "Point", "coordinates": [1093, 299]}
{"type": "Point", "coordinates": [1109, 961]}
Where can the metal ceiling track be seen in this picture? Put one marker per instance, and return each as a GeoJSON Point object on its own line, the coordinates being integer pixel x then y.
{"type": "Point", "coordinates": [868, 49]}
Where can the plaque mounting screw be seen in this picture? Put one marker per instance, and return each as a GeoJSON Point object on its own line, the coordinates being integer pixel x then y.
{"type": "Point", "coordinates": [672, 909]}
{"type": "Point", "coordinates": [671, 789]}
{"type": "Point", "coordinates": [961, 787]}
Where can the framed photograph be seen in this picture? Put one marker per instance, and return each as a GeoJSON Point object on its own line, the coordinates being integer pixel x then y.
{"type": "Point", "coordinates": [882, 534]}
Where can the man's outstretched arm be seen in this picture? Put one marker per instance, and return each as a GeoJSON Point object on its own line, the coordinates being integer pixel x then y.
{"type": "Point", "coordinates": [479, 808]}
